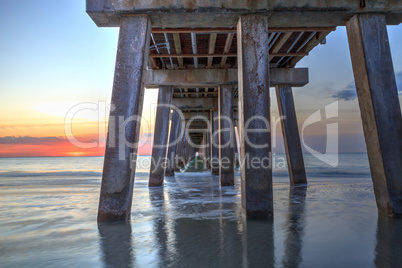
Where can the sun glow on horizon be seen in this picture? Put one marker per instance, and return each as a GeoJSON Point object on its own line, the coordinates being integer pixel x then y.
{"type": "Point", "coordinates": [87, 124]}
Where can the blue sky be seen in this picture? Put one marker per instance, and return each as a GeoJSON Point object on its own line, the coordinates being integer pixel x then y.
{"type": "Point", "coordinates": [52, 52]}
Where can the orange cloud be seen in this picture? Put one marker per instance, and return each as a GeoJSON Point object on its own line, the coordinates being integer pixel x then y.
{"type": "Point", "coordinates": [62, 149]}
{"type": "Point", "coordinates": [27, 146]}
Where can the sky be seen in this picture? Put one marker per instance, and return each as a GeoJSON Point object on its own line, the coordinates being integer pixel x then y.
{"type": "Point", "coordinates": [54, 57]}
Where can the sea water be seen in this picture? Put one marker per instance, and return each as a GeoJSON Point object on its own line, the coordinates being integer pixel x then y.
{"type": "Point", "coordinates": [48, 209]}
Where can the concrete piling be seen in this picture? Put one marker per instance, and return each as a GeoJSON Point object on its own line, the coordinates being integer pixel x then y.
{"type": "Point", "coordinates": [208, 148]}
{"type": "Point", "coordinates": [254, 116]}
{"type": "Point", "coordinates": [380, 109]}
{"type": "Point", "coordinates": [226, 136]}
{"type": "Point", "coordinates": [123, 133]}
{"type": "Point", "coordinates": [157, 172]}
{"type": "Point", "coordinates": [215, 143]}
{"type": "Point", "coordinates": [180, 151]}
{"type": "Point", "coordinates": [290, 133]}
{"type": "Point", "coordinates": [173, 143]}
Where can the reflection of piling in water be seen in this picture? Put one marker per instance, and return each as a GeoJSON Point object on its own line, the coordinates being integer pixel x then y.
{"type": "Point", "coordinates": [115, 243]}
{"type": "Point", "coordinates": [258, 243]}
{"type": "Point", "coordinates": [221, 242]}
{"type": "Point", "coordinates": [388, 252]}
{"type": "Point", "coordinates": [219, 246]}
{"type": "Point", "coordinates": [295, 229]}
{"type": "Point", "coordinates": [160, 220]}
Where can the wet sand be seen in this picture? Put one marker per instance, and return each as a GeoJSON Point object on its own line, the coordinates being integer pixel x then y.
{"type": "Point", "coordinates": [192, 222]}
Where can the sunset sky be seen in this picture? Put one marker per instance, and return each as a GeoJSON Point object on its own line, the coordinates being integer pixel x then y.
{"type": "Point", "coordinates": [54, 57]}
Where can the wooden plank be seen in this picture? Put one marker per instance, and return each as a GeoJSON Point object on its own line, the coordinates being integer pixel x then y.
{"type": "Point", "coordinates": [309, 46]}
{"type": "Point", "coordinates": [177, 45]}
{"type": "Point", "coordinates": [211, 48]}
{"type": "Point", "coordinates": [153, 63]}
{"type": "Point", "coordinates": [226, 49]}
{"type": "Point", "coordinates": [279, 43]}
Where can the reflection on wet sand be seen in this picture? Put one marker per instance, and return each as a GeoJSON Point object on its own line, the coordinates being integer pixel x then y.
{"type": "Point", "coordinates": [115, 240]}
{"type": "Point", "coordinates": [160, 222]}
{"type": "Point", "coordinates": [388, 251]}
{"type": "Point", "coordinates": [295, 228]}
{"type": "Point", "coordinates": [192, 222]}
{"type": "Point", "coordinates": [214, 242]}
{"type": "Point", "coordinates": [258, 244]}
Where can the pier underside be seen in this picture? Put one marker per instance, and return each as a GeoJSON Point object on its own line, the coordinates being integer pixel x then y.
{"type": "Point", "coordinates": [214, 64]}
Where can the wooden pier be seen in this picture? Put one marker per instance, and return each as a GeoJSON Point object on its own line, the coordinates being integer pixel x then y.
{"type": "Point", "coordinates": [214, 63]}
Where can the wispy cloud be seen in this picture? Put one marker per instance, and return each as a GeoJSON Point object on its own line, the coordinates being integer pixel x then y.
{"type": "Point", "coordinates": [31, 140]}
{"type": "Point", "coordinates": [53, 140]}
{"type": "Point", "coordinates": [348, 94]}
{"type": "Point", "coordinates": [32, 126]}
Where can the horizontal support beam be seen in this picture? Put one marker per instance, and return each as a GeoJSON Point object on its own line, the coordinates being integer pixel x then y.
{"type": "Point", "coordinates": [191, 78]}
{"type": "Point", "coordinates": [192, 109]}
{"type": "Point", "coordinates": [196, 131]}
{"type": "Point", "coordinates": [191, 55]}
{"type": "Point", "coordinates": [196, 124]}
{"type": "Point", "coordinates": [295, 77]}
{"type": "Point", "coordinates": [271, 55]}
{"type": "Point", "coordinates": [225, 14]}
{"type": "Point", "coordinates": [233, 30]}
{"type": "Point", "coordinates": [204, 103]}
{"type": "Point", "coordinates": [190, 115]}
{"type": "Point", "coordinates": [194, 93]}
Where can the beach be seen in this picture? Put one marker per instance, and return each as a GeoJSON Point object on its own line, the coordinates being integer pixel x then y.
{"type": "Point", "coordinates": [48, 209]}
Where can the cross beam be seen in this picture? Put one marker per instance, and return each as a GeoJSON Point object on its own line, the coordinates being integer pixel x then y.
{"type": "Point", "coordinates": [221, 13]}
{"type": "Point", "coordinates": [295, 77]}
{"type": "Point", "coordinates": [203, 103]}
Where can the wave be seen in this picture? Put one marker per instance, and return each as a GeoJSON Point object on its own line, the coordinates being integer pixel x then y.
{"type": "Point", "coordinates": [310, 173]}
{"type": "Point", "coordinates": [62, 173]}
{"type": "Point", "coordinates": [328, 174]}
{"type": "Point", "coordinates": [342, 174]}
{"type": "Point", "coordinates": [52, 174]}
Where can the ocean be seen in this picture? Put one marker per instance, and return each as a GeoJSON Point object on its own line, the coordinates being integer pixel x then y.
{"type": "Point", "coordinates": [48, 210]}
